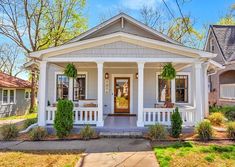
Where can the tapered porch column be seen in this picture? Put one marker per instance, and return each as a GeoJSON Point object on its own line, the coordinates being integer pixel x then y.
{"type": "Point", "coordinates": [140, 118]}
{"type": "Point", "coordinates": [42, 93]}
{"type": "Point", "coordinates": [198, 91]}
{"type": "Point", "coordinates": [100, 94]}
{"type": "Point", "coordinates": [206, 65]}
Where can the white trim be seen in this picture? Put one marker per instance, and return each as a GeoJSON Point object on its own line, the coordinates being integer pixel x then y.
{"type": "Point", "coordinates": [173, 84]}
{"type": "Point", "coordinates": [62, 73]}
{"type": "Point", "coordinates": [131, 91]}
{"type": "Point", "coordinates": [121, 36]}
{"type": "Point", "coordinates": [123, 16]}
{"type": "Point", "coordinates": [8, 95]}
{"type": "Point", "coordinates": [123, 59]}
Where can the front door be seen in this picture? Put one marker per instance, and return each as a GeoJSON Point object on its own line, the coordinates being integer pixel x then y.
{"type": "Point", "coordinates": [121, 94]}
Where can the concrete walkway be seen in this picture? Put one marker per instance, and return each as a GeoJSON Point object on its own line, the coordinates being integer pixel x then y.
{"type": "Point", "coordinates": [102, 152]}
{"type": "Point", "coordinates": [13, 121]}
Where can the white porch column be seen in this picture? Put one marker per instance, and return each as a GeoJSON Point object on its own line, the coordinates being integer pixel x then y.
{"type": "Point", "coordinates": [173, 91]}
{"type": "Point", "coordinates": [100, 94]}
{"type": "Point", "coordinates": [206, 92]}
{"type": "Point", "coordinates": [198, 91]}
{"type": "Point", "coordinates": [42, 94]}
{"type": "Point", "coordinates": [140, 118]}
{"type": "Point", "coordinates": [70, 95]}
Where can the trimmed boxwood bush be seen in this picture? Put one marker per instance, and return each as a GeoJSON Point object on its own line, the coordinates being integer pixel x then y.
{"type": "Point", "coordinates": [216, 118]}
{"type": "Point", "coordinates": [176, 123]}
{"type": "Point", "coordinates": [9, 131]}
{"type": "Point", "coordinates": [87, 132]}
{"type": "Point", "coordinates": [231, 130]}
{"type": "Point", "coordinates": [63, 122]}
{"type": "Point", "coordinates": [157, 132]}
{"type": "Point", "coordinates": [38, 133]}
{"type": "Point", "coordinates": [204, 130]}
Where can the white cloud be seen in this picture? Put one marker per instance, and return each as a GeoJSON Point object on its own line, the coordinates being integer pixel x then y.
{"type": "Point", "coordinates": [137, 4]}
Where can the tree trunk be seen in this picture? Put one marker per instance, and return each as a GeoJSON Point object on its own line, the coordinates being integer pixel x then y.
{"type": "Point", "coordinates": [32, 102]}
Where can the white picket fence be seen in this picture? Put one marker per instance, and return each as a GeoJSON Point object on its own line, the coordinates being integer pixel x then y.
{"type": "Point", "coordinates": [82, 115]}
{"type": "Point", "coordinates": [163, 116]}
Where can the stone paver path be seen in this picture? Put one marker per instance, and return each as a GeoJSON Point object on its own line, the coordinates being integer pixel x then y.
{"type": "Point", "coordinates": [105, 152]}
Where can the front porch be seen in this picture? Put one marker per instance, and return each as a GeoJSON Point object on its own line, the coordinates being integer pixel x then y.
{"type": "Point", "coordinates": [144, 99]}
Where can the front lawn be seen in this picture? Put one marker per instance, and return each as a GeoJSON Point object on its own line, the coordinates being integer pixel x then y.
{"type": "Point", "coordinates": [27, 116]}
{"type": "Point", "coordinates": [38, 159]}
{"type": "Point", "coordinates": [188, 154]}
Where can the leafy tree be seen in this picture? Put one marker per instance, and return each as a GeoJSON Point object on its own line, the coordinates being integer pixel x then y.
{"type": "Point", "coordinates": [229, 18]}
{"type": "Point", "coordinates": [38, 24]}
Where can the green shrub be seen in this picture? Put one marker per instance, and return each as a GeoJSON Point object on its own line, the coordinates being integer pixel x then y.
{"type": "Point", "coordinates": [38, 133]}
{"type": "Point", "coordinates": [204, 130]}
{"type": "Point", "coordinates": [231, 130]}
{"type": "Point", "coordinates": [63, 122]}
{"type": "Point", "coordinates": [216, 118]}
{"type": "Point", "coordinates": [29, 122]}
{"type": "Point", "coordinates": [176, 123]}
{"type": "Point", "coordinates": [87, 133]}
{"type": "Point", "coordinates": [228, 111]}
{"type": "Point", "coordinates": [157, 132]}
{"type": "Point", "coordinates": [9, 131]}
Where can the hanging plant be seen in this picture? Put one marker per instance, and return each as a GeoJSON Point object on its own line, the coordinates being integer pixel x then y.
{"type": "Point", "coordinates": [70, 71]}
{"type": "Point", "coordinates": [168, 72]}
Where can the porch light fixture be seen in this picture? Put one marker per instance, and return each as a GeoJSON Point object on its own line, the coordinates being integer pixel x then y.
{"type": "Point", "coordinates": [106, 76]}
{"type": "Point", "coordinates": [136, 75]}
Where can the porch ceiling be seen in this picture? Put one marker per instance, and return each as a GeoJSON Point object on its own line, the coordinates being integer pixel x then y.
{"type": "Point", "coordinates": [178, 66]}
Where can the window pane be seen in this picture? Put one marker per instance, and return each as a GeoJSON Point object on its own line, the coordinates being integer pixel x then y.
{"type": "Point", "coordinates": [164, 89]}
{"type": "Point", "coordinates": [62, 87]}
{"type": "Point", "coordinates": [181, 88]}
{"type": "Point", "coordinates": [79, 87]}
{"type": "Point", "coordinates": [26, 95]}
{"type": "Point", "coordinates": [12, 96]}
{"type": "Point", "coordinates": [5, 96]}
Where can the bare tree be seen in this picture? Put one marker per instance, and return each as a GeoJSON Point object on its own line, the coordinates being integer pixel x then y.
{"type": "Point", "coordinates": [38, 24]}
{"type": "Point", "coordinates": [11, 59]}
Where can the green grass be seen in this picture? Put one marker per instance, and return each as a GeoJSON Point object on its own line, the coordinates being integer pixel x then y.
{"type": "Point", "coordinates": [28, 116]}
{"type": "Point", "coordinates": [190, 154]}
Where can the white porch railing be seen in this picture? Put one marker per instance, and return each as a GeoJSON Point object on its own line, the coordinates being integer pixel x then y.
{"type": "Point", "coordinates": [163, 116]}
{"type": "Point", "coordinates": [82, 115]}
{"type": "Point", "coordinates": [227, 91]}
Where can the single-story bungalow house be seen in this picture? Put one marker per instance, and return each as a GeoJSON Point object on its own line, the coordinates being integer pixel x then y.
{"type": "Point", "coordinates": [119, 64]}
{"type": "Point", "coordinates": [14, 95]}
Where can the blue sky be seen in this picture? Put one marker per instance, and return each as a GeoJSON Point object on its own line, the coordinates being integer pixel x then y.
{"type": "Point", "coordinates": [204, 12]}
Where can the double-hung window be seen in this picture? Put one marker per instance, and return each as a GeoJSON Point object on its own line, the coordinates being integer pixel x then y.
{"type": "Point", "coordinates": [181, 89]}
{"type": "Point", "coordinates": [79, 87]}
{"type": "Point", "coordinates": [164, 89]}
{"type": "Point", "coordinates": [8, 96]}
{"type": "Point", "coordinates": [62, 86]}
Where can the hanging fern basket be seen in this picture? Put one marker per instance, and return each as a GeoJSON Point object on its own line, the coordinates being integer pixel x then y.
{"type": "Point", "coordinates": [168, 72]}
{"type": "Point", "coordinates": [70, 71]}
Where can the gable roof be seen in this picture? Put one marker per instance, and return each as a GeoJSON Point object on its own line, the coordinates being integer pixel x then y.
{"type": "Point", "coordinates": [7, 81]}
{"type": "Point", "coordinates": [123, 17]}
{"type": "Point", "coordinates": [225, 37]}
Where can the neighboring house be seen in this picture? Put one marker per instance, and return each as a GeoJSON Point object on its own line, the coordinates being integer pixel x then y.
{"type": "Point", "coordinates": [119, 64]}
{"type": "Point", "coordinates": [14, 95]}
{"type": "Point", "coordinates": [221, 40]}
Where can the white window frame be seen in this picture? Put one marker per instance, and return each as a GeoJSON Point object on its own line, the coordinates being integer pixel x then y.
{"type": "Point", "coordinates": [8, 96]}
{"type": "Point", "coordinates": [173, 89]}
{"type": "Point", "coordinates": [70, 84]}
{"type": "Point", "coordinates": [80, 73]}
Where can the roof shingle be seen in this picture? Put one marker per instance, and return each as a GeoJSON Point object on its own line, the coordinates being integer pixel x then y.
{"type": "Point", "coordinates": [225, 35]}
{"type": "Point", "coordinates": [7, 81]}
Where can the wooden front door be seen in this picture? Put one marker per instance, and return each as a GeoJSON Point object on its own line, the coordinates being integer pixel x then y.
{"type": "Point", "coordinates": [121, 94]}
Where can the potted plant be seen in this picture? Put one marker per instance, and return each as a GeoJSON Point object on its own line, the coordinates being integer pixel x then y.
{"type": "Point", "coordinates": [168, 73]}
{"type": "Point", "coordinates": [70, 71]}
